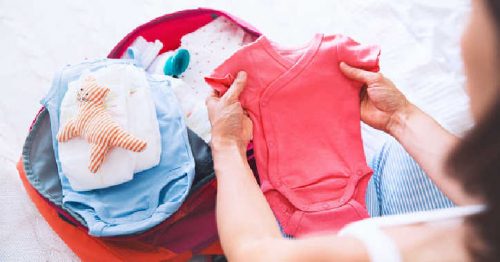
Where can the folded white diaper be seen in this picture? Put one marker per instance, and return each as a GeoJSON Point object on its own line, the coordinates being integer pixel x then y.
{"type": "Point", "coordinates": [131, 106]}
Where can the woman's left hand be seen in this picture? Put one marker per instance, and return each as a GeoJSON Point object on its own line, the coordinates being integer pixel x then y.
{"type": "Point", "coordinates": [230, 123]}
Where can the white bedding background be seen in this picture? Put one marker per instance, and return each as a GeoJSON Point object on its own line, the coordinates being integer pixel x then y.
{"type": "Point", "coordinates": [420, 53]}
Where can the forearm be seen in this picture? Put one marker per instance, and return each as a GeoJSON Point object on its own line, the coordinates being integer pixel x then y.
{"type": "Point", "coordinates": [247, 227]}
{"type": "Point", "coordinates": [429, 144]}
{"type": "Point", "coordinates": [243, 214]}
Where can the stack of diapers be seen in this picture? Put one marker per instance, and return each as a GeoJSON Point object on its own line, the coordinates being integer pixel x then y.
{"type": "Point", "coordinates": [208, 47]}
{"type": "Point", "coordinates": [132, 192]}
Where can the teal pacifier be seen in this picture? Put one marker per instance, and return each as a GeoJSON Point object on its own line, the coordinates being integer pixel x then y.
{"type": "Point", "coordinates": [177, 63]}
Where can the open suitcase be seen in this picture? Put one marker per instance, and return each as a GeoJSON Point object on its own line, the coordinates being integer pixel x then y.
{"type": "Point", "coordinates": [190, 231]}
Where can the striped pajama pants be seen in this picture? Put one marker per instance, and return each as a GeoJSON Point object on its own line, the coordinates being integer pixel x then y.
{"type": "Point", "coordinates": [399, 185]}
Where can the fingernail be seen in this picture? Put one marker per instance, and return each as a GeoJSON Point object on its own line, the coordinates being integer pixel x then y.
{"type": "Point", "coordinates": [242, 74]}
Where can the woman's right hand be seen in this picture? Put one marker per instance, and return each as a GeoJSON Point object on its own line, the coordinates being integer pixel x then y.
{"type": "Point", "coordinates": [230, 123]}
{"type": "Point", "coordinates": [381, 101]}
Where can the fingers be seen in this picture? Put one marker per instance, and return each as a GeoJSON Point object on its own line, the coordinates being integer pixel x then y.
{"type": "Point", "coordinates": [363, 94]}
{"type": "Point", "coordinates": [236, 88]}
{"type": "Point", "coordinates": [212, 100]}
{"type": "Point", "coordinates": [247, 128]}
{"type": "Point", "coordinates": [214, 93]}
{"type": "Point", "coordinates": [230, 97]}
{"type": "Point", "coordinates": [357, 74]}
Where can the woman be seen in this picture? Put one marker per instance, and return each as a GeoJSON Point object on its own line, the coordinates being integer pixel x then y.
{"type": "Point", "coordinates": [466, 171]}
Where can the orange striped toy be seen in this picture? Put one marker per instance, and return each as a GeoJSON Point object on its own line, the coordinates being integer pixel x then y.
{"type": "Point", "coordinates": [95, 124]}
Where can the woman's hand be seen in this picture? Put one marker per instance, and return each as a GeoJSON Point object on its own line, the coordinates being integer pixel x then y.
{"type": "Point", "coordinates": [381, 101]}
{"type": "Point", "coordinates": [384, 107]}
{"type": "Point", "coordinates": [230, 123]}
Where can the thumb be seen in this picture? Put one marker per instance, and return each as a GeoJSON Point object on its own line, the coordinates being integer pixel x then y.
{"type": "Point", "coordinates": [211, 100]}
{"type": "Point", "coordinates": [236, 88]}
{"type": "Point", "coordinates": [356, 74]}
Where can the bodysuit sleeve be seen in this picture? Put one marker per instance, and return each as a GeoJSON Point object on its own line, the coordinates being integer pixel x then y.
{"type": "Point", "coordinates": [358, 55]}
{"type": "Point", "coordinates": [220, 82]}
{"type": "Point", "coordinates": [223, 76]}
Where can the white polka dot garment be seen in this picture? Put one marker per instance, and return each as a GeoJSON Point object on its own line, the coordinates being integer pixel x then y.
{"type": "Point", "coordinates": [210, 46]}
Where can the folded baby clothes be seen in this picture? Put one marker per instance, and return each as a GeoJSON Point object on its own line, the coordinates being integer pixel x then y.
{"type": "Point", "coordinates": [158, 65]}
{"type": "Point", "coordinates": [306, 128]}
{"type": "Point", "coordinates": [192, 105]}
{"type": "Point", "coordinates": [143, 52]}
{"type": "Point", "coordinates": [131, 106]}
{"type": "Point", "coordinates": [152, 195]}
{"type": "Point", "coordinates": [208, 47]}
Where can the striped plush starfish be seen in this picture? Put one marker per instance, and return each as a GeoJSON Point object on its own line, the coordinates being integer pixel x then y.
{"type": "Point", "coordinates": [95, 124]}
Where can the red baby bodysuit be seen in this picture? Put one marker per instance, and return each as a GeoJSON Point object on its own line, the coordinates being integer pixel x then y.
{"type": "Point", "coordinates": [306, 128]}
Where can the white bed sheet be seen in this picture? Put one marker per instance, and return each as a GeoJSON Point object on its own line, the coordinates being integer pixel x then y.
{"type": "Point", "coordinates": [420, 53]}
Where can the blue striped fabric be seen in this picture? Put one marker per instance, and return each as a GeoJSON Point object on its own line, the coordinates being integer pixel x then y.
{"type": "Point", "coordinates": [399, 185]}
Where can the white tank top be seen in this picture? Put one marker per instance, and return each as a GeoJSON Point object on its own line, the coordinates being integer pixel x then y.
{"type": "Point", "coordinates": [380, 247]}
